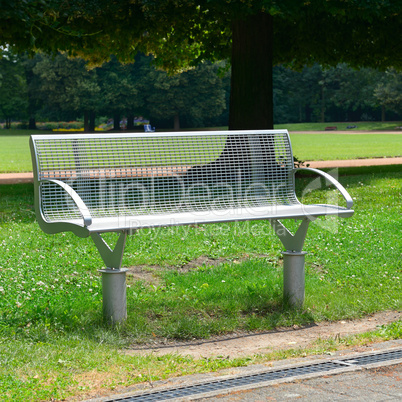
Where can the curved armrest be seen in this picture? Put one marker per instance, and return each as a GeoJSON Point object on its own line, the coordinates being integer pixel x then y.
{"type": "Point", "coordinates": [342, 190]}
{"type": "Point", "coordinates": [77, 200]}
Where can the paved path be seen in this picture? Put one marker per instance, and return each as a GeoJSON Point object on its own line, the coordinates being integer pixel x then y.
{"type": "Point", "coordinates": [13, 178]}
{"type": "Point", "coordinates": [355, 163]}
{"type": "Point", "coordinates": [376, 384]}
{"type": "Point", "coordinates": [376, 380]}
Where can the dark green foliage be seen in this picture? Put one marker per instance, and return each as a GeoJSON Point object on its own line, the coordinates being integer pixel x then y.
{"type": "Point", "coordinates": [183, 33]}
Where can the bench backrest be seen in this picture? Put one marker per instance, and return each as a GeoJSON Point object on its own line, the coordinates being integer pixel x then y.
{"type": "Point", "coordinates": [132, 174]}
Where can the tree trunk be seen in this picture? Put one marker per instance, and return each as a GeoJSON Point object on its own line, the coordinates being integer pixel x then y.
{"type": "Point", "coordinates": [382, 113]}
{"type": "Point", "coordinates": [322, 118]}
{"type": "Point", "coordinates": [307, 111]}
{"type": "Point", "coordinates": [176, 124]}
{"type": "Point", "coordinates": [251, 101]}
{"type": "Point", "coordinates": [32, 123]}
{"type": "Point", "coordinates": [251, 96]}
{"type": "Point", "coordinates": [116, 122]}
{"type": "Point", "coordinates": [92, 122]}
{"type": "Point", "coordinates": [86, 122]}
{"type": "Point", "coordinates": [130, 121]}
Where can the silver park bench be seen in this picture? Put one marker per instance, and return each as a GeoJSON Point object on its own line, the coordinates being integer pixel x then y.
{"type": "Point", "coordinates": [91, 184]}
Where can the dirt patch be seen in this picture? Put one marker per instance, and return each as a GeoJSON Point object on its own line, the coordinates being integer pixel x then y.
{"type": "Point", "coordinates": [149, 273]}
{"type": "Point", "coordinates": [145, 273]}
{"type": "Point", "coordinates": [246, 344]}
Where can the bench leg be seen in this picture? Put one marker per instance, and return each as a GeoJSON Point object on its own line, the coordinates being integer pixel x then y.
{"type": "Point", "coordinates": [114, 295]}
{"type": "Point", "coordinates": [293, 261]}
{"type": "Point", "coordinates": [293, 277]}
{"type": "Point", "coordinates": [113, 279]}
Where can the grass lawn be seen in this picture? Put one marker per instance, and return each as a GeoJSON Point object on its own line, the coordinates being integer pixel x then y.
{"type": "Point", "coordinates": [360, 126]}
{"type": "Point", "coordinates": [340, 146]}
{"type": "Point", "coordinates": [15, 154]}
{"type": "Point", "coordinates": [53, 343]}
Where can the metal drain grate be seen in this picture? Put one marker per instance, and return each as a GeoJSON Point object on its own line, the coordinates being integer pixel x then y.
{"type": "Point", "coordinates": [375, 358]}
{"type": "Point", "coordinates": [198, 389]}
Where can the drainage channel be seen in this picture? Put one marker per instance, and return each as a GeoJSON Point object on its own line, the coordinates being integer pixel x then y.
{"type": "Point", "coordinates": [227, 384]}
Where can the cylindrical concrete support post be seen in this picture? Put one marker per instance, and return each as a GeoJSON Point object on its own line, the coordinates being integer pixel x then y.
{"type": "Point", "coordinates": [114, 295]}
{"type": "Point", "coordinates": [293, 277]}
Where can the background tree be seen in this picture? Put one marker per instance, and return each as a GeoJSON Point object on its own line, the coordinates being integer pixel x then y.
{"type": "Point", "coordinates": [35, 103]}
{"type": "Point", "coordinates": [254, 35]}
{"type": "Point", "coordinates": [68, 88]}
{"type": "Point", "coordinates": [119, 92]}
{"type": "Point", "coordinates": [354, 92]}
{"type": "Point", "coordinates": [13, 88]}
{"type": "Point", "coordinates": [389, 91]}
{"type": "Point", "coordinates": [193, 95]}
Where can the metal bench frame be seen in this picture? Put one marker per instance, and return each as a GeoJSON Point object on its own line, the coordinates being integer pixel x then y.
{"type": "Point", "coordinates": [234, 175]}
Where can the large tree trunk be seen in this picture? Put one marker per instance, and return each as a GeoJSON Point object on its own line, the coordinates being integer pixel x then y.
{"type": "Point", "coordinates": [251, 102]}
{"type": "Point", "coordinates": [251, 96]}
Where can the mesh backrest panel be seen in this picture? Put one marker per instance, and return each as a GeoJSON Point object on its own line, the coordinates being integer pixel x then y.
{"type": "Point", "coordinates": [156, 174]}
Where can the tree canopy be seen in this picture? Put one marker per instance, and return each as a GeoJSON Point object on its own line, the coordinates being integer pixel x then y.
{"type": "Point", "coordinates": [254, 35]}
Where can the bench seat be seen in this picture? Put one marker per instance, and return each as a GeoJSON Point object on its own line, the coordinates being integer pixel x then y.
{"type": "Point", "coordinates": [134, 222]}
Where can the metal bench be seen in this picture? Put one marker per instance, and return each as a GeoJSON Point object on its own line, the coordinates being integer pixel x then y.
{"type": "Point", "coordinates": [90, 184]}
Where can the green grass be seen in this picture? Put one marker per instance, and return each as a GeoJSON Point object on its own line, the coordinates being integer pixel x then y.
{"type": "Point", "coordinates": [15, 154]}
{"type": "Point", "coordinates": [340, 146]}
{"type": "Point", "coordinates": [342, 126]}
{"type": "Point", "coordinates": [54, 344]}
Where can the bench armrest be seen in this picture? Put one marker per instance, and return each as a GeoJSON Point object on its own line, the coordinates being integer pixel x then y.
{"type": "Point", "coordinates": [77, 200]}
{"type": "Point", "coordinates": [342, 190]}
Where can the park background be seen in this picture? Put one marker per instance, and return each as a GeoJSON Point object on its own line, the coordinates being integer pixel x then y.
{"type": "Point", "coordinates": [197, 282]}
{"type": "Point", "coordinates": [57, 92]}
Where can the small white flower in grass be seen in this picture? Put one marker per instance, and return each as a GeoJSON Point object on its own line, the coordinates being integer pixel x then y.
{"type": "Point", "coordinates": [18, 304]}
{"type": "Point", "coordinates": [1, 289]}
{"type": "Point", "coordinates": [90, 290]}
{"type": "Point", "coordinates": [223, 281]}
